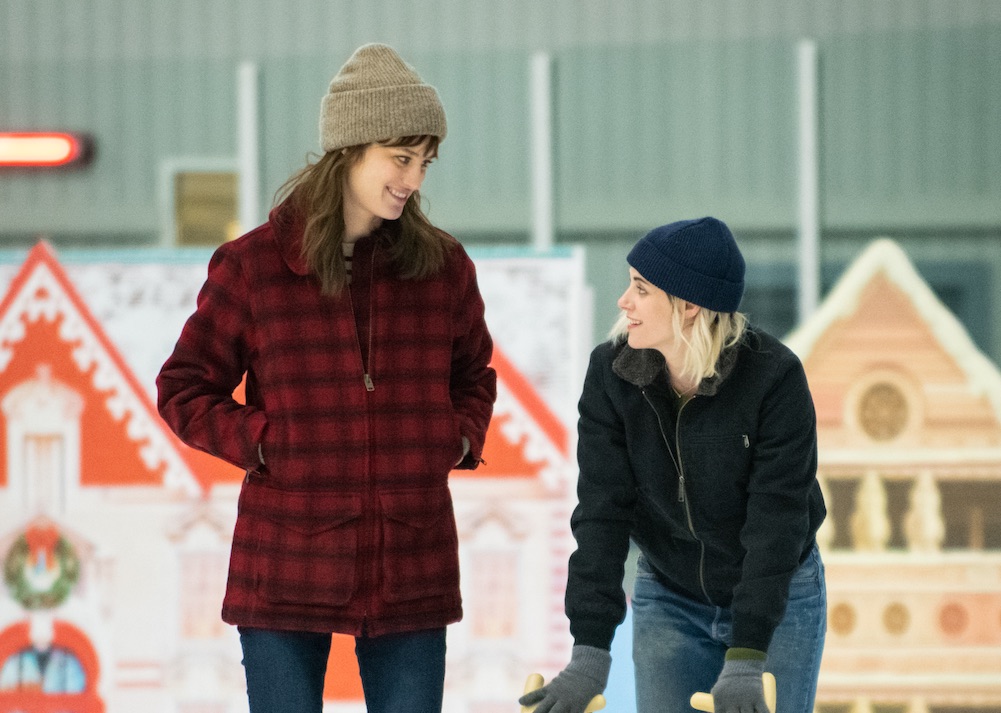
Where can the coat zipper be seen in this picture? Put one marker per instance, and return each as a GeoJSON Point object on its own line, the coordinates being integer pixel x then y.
{"type": "Point", "coordinates": [682, 494]}
{"type": "Point", "coordinates": [681, 471]}
{"type": "Point", "coordinates": [366, 366]}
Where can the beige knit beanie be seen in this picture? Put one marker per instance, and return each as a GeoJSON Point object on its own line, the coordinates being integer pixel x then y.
{"type": "Point", "coordinates": [377, 96]}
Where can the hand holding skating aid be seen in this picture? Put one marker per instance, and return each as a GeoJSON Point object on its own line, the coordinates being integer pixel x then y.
{"type": "Point", "coordinates": [704, 701]}
{"type": "Point", "coordinates": [535, 682]}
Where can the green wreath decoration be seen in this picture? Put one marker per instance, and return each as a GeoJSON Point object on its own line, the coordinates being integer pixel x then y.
{"type": "Point", "coordinates": [13, 575]}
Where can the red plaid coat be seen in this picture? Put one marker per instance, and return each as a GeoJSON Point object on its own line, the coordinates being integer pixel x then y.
{"type": "Point", "coordinates": [349, 526]}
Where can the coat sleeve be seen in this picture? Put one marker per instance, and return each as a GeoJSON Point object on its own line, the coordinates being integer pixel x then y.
{"type": "Point", "coordinates": [603, 518]}
{"type": "Point", "coordinates": [778, 525]}
{"type": "Point", "coordinates": [473, 382]}
{"type": "Point", "coordinates": [195, 385]}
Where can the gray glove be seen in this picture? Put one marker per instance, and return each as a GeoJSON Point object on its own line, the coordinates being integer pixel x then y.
{"type": "Point", "coordinates": [738, 688]}
{"type": "Point", "coordinates": [573, 688]}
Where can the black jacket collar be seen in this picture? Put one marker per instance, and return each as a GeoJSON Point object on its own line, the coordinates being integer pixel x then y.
{"type": "Point", "coordinates": [642, 367]}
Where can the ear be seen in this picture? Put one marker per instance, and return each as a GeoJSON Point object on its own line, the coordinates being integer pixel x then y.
{"type": "Point", "coordinates": [690, 310]}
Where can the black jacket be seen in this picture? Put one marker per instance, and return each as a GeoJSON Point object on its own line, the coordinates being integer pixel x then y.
{"type": "Point", "coordinates": [729, 529]}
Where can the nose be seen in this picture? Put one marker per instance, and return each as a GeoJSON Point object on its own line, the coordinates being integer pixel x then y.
{"type": "Point", "coordinates": [413, 177]}
{"type": "Point", "coordinates": [623, 301]}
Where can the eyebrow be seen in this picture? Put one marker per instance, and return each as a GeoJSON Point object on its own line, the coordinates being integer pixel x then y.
{"type": "Point", "coordinates": [415, 154]}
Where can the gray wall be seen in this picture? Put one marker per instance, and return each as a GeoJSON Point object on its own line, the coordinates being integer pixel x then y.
{"type": "Point", "coordinates": [128, 30]}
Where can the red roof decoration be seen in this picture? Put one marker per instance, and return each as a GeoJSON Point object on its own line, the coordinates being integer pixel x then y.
{"type": "Point", "coordinates": [123, 442]}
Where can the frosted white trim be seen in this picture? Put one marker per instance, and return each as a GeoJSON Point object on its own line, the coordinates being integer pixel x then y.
{"type": "Point", "coordinates": [885, 256]}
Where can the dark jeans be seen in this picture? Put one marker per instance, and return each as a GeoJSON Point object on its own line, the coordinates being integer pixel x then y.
{"type": "Point", "coordinates": [399, 672]}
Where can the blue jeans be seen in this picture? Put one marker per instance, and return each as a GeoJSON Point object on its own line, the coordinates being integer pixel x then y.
{"type": "Point", "coordinates": [399, 672]}
{"type": "Point", "coordinates": [679, 643]}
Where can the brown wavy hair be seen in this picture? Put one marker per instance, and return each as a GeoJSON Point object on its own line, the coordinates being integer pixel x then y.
{"type": "Point", "coordinates": [315, 196]}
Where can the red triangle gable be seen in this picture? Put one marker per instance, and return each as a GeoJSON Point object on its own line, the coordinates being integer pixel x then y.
{"type": "Point", "coordinates": [46, 329]}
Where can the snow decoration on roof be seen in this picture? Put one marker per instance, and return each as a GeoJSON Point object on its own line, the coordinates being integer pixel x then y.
{"type": "Point", "coordinates": [885, 256]}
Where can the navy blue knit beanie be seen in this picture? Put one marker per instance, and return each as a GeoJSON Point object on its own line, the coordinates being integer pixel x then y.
{"type": "Point", "coordinates": [696, 260]}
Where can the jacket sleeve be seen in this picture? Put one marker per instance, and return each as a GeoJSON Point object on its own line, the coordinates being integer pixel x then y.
{"type": "Point", "coordinates": [602, 520]}
{"type": "Point", "coordinates": [778, 525]}
{"type": "Point", "coordinates": [195, 385]}
{"type": "Point", "coordinates": [473, 382]}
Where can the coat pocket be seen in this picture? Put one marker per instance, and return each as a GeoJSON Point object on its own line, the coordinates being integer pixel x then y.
{"type": "Point", "coordinates": [420, 545]}
{"type": "Point", "coordinates": [307, 547]}
{"type": "Point", "coordinates": [717, 469]}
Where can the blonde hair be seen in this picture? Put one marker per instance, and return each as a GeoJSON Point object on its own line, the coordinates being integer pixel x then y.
{"type": "Point", "coordinates": [711, 333]}
{"type": "Point", "coordinates": [316, 193]}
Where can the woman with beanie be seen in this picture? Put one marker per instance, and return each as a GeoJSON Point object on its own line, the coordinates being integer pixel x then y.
{"type": "Point", "coordinates": [358, 327]}
{"type": "Point", "coordinates": [697, 440]}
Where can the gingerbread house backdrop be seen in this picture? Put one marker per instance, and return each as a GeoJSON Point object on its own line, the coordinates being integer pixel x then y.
{"type": "Point", "coordinates": [909, 419]}
{"type": "Point", "coordinates": [114, 536]}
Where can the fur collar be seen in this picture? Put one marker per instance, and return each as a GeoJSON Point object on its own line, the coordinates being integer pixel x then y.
{"type": "Point", "coordinates": [642, 367]}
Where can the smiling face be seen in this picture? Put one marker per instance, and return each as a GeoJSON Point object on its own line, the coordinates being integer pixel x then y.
{"type": "Point", "coordinates": [649, 311]}
{"type": "Point", "coordinates": [380, 184]}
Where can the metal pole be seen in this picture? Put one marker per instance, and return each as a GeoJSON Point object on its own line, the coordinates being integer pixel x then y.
{"type": "Point", "coordinates": [248, 146]}
{"type": "Point", "coordinates": [809, 180]}
{"type": "Point", "coordinates": [542, 152]}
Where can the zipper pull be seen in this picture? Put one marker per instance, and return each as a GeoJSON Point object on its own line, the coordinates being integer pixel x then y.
{"type": "Point", "coordinates": [369, 386]}
{"type": "Point", "coordinates": [747, 441]}
{"type": "Point", "coordinates": [681, 488]}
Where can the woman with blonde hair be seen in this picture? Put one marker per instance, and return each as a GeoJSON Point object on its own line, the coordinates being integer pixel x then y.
{"type": "Point", "coordinates": [697, 441]}
{"type": "Point", "coordinates": [359, 329]}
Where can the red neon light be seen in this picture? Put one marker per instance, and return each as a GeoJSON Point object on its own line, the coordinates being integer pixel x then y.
{"type": "Point", "coordinates": [39, 149]}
